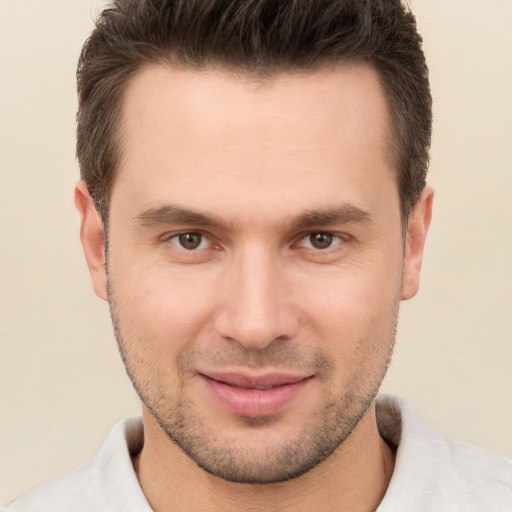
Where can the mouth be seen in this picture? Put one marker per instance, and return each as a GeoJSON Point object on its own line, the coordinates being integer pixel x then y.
{"type": "Point", "coordinates": [255, 396]}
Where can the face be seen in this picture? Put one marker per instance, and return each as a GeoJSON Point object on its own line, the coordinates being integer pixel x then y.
{"type": "Point", "coordinates": [255, 261]}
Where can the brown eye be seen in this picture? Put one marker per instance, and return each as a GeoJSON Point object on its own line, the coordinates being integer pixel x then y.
{"type": "Point", "coordinates": [190, 241]}
{"type": "Point", "coordinates": [321, 240]}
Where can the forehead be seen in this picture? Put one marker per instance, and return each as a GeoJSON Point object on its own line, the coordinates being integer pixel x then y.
{"type": "Point", "coordinates": [302, 133]}
{"type": "Point", "coordinates": [307, 102]}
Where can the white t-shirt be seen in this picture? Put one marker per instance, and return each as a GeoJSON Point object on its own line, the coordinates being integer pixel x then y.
{"type": "Point", "coordinates": [432, 473]}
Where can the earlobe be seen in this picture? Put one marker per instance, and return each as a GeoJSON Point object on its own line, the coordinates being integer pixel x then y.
{"type": "Point", "coordinates": [92, 238]}
{"type": "Point", "coordinates": [417, 228]}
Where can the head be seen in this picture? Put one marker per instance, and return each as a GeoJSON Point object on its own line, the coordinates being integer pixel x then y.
{"type": "Point", "coordinates": [262, 38]}
{"type": "Point", "coordinates": [257, 164]}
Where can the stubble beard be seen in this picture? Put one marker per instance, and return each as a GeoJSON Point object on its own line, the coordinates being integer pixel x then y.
{"type": "Point", "coordinates": [226, 458]}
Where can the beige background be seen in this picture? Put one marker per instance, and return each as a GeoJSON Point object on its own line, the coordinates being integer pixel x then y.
{"type": "Point", "coordinates": [62, 385]}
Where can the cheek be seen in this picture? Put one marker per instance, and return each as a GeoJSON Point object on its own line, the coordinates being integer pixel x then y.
{"type": "Point", "coordinates": [348, 305]}
{"type": "Point", "coordinates": [160, 307]}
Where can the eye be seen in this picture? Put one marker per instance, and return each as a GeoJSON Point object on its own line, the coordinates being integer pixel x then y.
{"type": "Point", "coordinates": [320, 240]}
{"type": "Point", "coordinates": [189, 241]}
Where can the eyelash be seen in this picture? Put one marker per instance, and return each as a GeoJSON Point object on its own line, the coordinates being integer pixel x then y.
{"type": "Point", "coordinates": [336, 240]}
{"type": "Point", "coordinates": [176, 236]}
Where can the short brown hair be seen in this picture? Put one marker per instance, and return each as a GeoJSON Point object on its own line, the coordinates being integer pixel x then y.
{"type": "Point", "coordinates": [257, 36]}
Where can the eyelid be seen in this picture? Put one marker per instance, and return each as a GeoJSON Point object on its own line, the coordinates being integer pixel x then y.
{"type": "Point", "coordinates": [342, 237]}
{"type": "Point", "coordinates": [173, 235]}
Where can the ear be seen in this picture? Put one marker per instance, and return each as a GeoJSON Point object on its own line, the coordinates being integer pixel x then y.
{"type": "Point", "coordinates": [417, 227]}
{"type": "Point", "coordinates": [92, 237]}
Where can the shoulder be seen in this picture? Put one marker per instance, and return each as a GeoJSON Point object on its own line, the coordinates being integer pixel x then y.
{"type": "Point", "coordinates": [484, 477]}
{"type": "Point", "coordinates": [73, 490]}
{"type": "Point", "coordinates": [107, 482]}
{"type": "Point", "coordinates": [433, 472]}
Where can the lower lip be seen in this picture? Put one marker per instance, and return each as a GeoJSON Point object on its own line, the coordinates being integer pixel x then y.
{"type": "Point", "coordinates": [255, 402]}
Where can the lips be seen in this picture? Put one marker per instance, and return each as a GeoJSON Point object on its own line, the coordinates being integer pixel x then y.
{"type": "Point", "coordinates": [255, 396]}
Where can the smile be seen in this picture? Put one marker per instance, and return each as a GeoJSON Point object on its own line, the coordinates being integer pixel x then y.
{"type": "Point", "coordinates": [255, 396]}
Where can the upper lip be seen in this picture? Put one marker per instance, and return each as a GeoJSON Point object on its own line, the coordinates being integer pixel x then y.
{"type": "Point", "coordinates": [265, 381]}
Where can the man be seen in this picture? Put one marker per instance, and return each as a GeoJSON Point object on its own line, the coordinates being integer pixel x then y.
{"type": "Point", "coordinates": [253, 207]}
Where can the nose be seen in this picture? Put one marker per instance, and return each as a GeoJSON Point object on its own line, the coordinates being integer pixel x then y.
{"type": "Point", "coordinates": [257, 307]}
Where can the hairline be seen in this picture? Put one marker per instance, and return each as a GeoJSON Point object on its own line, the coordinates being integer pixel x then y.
{"type": "Point", "coordinates": [256, 74]}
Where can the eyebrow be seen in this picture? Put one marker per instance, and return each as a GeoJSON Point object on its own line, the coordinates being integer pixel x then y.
{"type": "Point", "coordinates": [171, 214]}
{"type": "Point", "coordinates": [345, 214]}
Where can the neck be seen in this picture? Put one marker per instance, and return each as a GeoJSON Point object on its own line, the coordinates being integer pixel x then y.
{"type": "Point", "coordinates": [355, 477]}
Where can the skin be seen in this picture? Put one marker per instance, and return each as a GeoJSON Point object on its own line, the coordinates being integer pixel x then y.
{"type": "Point", "coordinates": [253, 170]}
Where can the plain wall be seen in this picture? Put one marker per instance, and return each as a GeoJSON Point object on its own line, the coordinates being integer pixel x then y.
{"type": "Point", "coordinates": [62, 385]}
